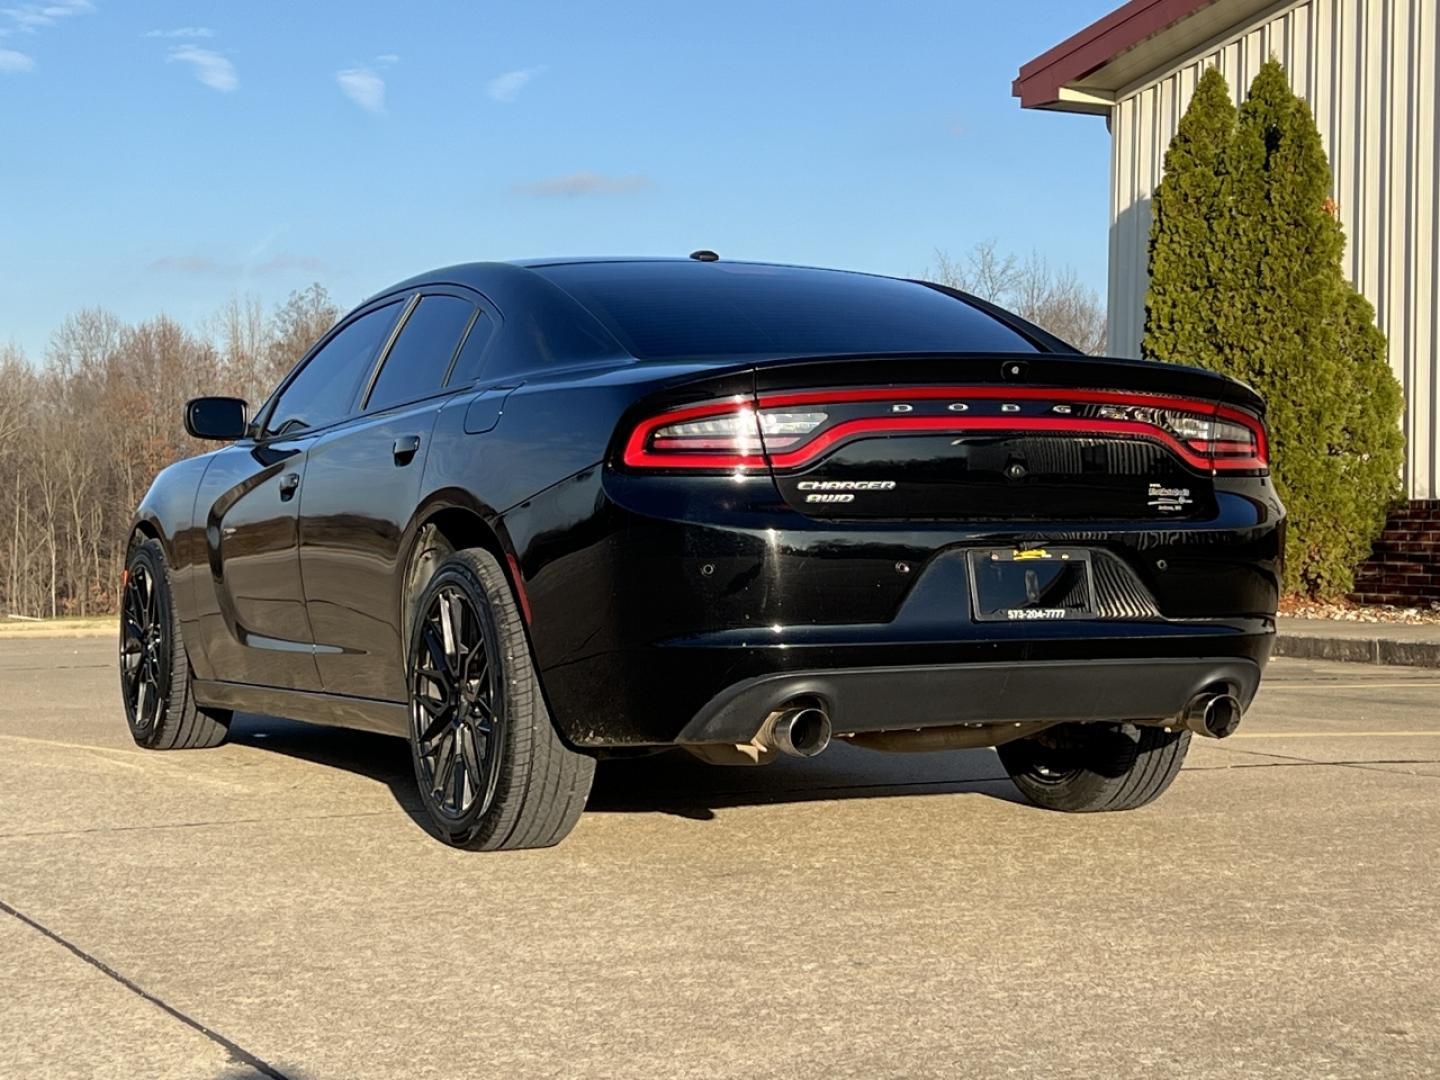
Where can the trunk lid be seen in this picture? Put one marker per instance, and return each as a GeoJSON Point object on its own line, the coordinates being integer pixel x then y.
{"type": "Point", "coordinates": [1035, 437]}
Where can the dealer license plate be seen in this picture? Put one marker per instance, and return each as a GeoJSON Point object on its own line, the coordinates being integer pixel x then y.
{"type": "Point", "coordinates": [1031, 584]}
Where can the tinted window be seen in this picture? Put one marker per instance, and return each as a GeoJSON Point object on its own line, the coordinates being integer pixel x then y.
{"type": "Point", "coordinates": [467, 364]}
{"type": "Point", "coordinates": [695, 309]}
{"type": "Point", "coordinates": [417, 364]}
{"type": "Point", "coordinates": [325, 387]}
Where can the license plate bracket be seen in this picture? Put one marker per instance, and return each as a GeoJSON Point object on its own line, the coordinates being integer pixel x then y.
{"type": "Point", "coordinates": [1031, 584]}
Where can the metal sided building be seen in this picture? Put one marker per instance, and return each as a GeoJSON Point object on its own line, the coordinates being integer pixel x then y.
{"type": "Point", "coordinates": [1368, 69]}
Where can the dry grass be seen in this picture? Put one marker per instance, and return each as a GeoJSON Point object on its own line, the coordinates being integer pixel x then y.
{"type": "Point", "coordinates": [97, 626]}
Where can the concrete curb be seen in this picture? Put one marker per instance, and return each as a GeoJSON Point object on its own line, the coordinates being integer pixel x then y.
{"type": "Point", "coordinates": [1352, 650]}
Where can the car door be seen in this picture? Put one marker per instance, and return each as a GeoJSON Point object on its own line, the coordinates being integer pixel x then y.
{"type": "Point", "coordinates": [255, 628]}
{"type": "Point", "coordinates": [362, 486]}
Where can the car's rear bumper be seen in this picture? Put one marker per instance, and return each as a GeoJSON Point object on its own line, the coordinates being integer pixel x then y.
{"type": "Point", "coordinates": [887, 699]}
{"type": "Point", "coordinates": [722, 687]}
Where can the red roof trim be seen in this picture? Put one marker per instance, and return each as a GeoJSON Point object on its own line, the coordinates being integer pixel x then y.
{"type": "Point", "coordinates": [1040, 80]}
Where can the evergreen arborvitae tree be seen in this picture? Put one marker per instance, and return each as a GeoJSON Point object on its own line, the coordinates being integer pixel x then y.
{"type": "Point", "coordinates": [1283, 302]}
{"type": "Point", "coordinates": [1372, 445]}
{"type": "Point", "coordinates": [1184, 269]}
{"type": "Point", "coordinates": [1269, 304]}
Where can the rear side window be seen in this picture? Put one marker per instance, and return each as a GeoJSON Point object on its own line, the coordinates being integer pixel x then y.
{"type": "Point", "coordinates": [467, 364]}
{"type": "Point", "coordinates": [325, 388]}
{"type": "Point", "coordinates": [672, 310]}
{"type": "Point", "coordinates": [421, 356]}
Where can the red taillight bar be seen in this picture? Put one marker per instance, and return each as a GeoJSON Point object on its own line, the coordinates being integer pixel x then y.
{"type": "Point", "coordinates": [641, 452]}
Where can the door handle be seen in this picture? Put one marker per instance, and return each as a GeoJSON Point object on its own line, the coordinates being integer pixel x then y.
{"type": "Point", "coordinates": [406, 447]}
{"type": "Point", "coordinates": [288, 484]}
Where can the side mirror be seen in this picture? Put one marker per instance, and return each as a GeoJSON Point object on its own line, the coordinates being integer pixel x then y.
{"type": "Point", "coordinates": [221, 418]}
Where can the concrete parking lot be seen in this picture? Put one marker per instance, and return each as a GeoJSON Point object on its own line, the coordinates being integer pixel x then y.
{"type": "Point", "coordinates": [272, 908]}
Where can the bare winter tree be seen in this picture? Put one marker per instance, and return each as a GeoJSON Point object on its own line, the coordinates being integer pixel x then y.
{"type": "Point", "coordinates": [83, 433]}
{"type": "Point", "coordinates": [296, 325]}
{"type": "Point", "coordinates": [18, 394]}
{"type": "Point", "coordinates": [1056, 300]}
{"type": "Point", "coordinates": [242, 333]}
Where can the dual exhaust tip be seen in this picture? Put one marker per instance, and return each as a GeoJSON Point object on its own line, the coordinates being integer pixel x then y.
{"type": "Point", "coordinates": [797, 730]}
{"type": "Point", "coordinates": [1215, 716]}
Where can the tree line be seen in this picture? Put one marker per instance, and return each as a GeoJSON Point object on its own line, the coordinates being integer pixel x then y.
{"type": "Point", "coordinates": [1056, 300]}
{"type": "Point", "coordinates": [84, 431]}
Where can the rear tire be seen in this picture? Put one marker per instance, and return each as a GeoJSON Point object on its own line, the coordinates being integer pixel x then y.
{"type": "Point", "coordinates": [1084, 768]}
{"type": "Point", "coordinates": [155, 677]}
{"type": "Point", "coordinates": [493, 772]}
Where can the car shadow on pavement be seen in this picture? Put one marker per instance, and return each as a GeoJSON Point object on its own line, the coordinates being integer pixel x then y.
{"type": "Point", "coordinates": [676, 783]}
{"type": "Point", "coordinates": [383, 758]}
{"type": "Point", "coordinates": [667, 783]}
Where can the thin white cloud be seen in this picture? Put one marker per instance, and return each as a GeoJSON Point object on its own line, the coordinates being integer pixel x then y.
{"type": "Point", "coordinates": [31, 17]}
{"type": "Point", "coordinates": [362, 86]}
{"type": "Point", "coordinates": [507, 87]}
{"type": "Point", "coordinates": [182, 32]}
{"type": "Point", "coordinates": [212, 69]}
{"type": "Point", "coordinates": [584, 183]}
{"type": "Point", "coordinates": [13, 63]}
{"type": "Point", "coordinates": [267, 239]}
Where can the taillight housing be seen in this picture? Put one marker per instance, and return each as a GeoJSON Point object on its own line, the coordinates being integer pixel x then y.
{"type": "Point", "coordinates": [792, 430]}
{"type": "Point", "coordinates": [1232, 440]}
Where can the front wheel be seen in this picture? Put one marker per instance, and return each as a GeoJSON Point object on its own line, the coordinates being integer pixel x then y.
{"type": "Point", "coordinates": [493, 773]}
{"type": "Point", "coordinates": [155, 679]}
{"type": "Point", "coordinates": [1089, 767]}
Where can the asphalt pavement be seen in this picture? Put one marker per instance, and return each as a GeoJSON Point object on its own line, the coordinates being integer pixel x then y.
{"type": "Point", "coordinates": [273, 908]}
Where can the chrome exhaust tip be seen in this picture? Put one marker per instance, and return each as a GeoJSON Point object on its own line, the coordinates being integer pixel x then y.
{"type": "Point", "coordinates": [802, 731]}
{"type": "Point", "coordinates": [1215, 716]}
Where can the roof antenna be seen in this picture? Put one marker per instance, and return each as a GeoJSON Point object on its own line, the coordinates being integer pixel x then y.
{"type": "Point", "coordinates": [704, 256]}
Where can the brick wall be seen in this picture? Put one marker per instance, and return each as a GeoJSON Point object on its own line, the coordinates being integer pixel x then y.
{"type": "Point", "coordinates": [1404, 568]}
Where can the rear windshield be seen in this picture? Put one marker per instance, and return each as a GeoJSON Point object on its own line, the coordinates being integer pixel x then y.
{"type": "Point", "coordinates": [673, 310]}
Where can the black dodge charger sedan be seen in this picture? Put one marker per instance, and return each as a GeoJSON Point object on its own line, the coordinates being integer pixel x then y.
{"type": "Point", "coordinates": [529, 515]}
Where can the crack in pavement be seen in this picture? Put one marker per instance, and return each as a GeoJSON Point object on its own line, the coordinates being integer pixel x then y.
{"type": "Point", "coordinates": [235, 1050]}
{"type": "Point", "coordinates": [1291, 760]}
{"type": "Point", "coordinates": [1297, 763]}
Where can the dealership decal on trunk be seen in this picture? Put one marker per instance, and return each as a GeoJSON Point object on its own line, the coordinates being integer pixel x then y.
{"type": "Point", "coordinates": [1169, 499]}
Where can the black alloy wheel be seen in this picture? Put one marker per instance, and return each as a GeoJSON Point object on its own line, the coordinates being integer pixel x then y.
{"type": "Point", "coordinates": [456, 711]}
{"type": "Point", "coordinates": [155, 676]}
{"type": "Point", "coordinates": [492, 770]}
{"type": "Point", "coordinates": [144, 651]}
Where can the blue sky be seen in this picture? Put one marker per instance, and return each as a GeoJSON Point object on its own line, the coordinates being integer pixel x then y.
{"type": "Point", "coordinates": [161, 156]}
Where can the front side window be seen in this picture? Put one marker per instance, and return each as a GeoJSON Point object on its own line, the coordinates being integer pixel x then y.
{"type": "Point", "coordinates": [325, 387]}
{"type": "Point", "coordinates": [421, 356]}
